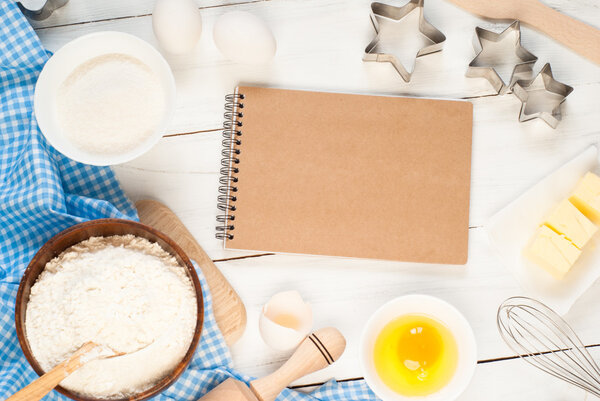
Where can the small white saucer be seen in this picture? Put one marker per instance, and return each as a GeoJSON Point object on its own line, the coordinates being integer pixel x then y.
{"type": "Point", "coordinates": [511, 229]}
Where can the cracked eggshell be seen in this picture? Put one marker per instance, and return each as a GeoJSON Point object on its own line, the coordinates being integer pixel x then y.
{"type": "Point", "coordinates": [244, 38]}
{"type": "Point", "coordinates": [177, 25]}
{"type": "Point", "coordinates": [285, 321]}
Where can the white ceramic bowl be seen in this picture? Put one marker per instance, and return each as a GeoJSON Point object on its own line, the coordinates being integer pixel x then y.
{"type": "Point", "coordinates": [76, 52]}
{"type": "Point", "coordinates": [434, 308]}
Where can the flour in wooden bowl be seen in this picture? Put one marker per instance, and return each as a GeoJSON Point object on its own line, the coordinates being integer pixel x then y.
{"type": "Point", "coordinates": [123, 292]}
{"type": "Point", "coordinates": [110, 104]}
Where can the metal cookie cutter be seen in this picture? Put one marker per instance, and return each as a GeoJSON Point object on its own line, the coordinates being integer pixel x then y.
{"type": "Point", "coordinates": [40, 9]}
{"type": "Point", "coordinates": [403, 34]}
{"type": "Point", "coordinates": [541, 97]}
{"type": "Point", "coordinates": [501, 53]}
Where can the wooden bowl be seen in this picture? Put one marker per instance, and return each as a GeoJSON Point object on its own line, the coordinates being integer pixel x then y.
{"type": "Point", "coordinates": [104, 228]}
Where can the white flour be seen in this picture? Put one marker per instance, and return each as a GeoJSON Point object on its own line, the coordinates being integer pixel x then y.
{"type": "Point", "coordinates": [110, 104]}
{"type": "Point", "coordinates": [123, 292]}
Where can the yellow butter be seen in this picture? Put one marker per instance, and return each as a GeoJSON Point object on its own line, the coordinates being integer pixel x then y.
{"type": "Point", "coordinates": [552, 251]}
{"type": "Point", "coordinates": [567, 220]}
{"type": "Point", "coordinates": [586, 196]}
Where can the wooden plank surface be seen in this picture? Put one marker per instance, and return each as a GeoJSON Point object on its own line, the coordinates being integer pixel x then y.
{"type": "Point", "coordinates": [320, 45]}
{"type": "Point", "coordinates": [83, 11]}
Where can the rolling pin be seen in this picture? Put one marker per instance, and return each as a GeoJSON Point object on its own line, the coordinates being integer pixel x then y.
{"type": "Point", "coordinates": [319, 350]}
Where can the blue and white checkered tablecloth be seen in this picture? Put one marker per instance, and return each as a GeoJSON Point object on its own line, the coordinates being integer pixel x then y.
{"type": "Point", "coordinates": [43, 192]}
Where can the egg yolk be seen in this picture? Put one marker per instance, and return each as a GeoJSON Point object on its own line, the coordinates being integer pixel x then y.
{"type": "Point", "coordinates": [415, 355]}
{"type": "Point", "coordinates": [287, 320]}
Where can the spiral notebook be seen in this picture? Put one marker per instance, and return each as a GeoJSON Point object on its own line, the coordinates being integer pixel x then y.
{"type": "Point", "coordinates": [346, 175]}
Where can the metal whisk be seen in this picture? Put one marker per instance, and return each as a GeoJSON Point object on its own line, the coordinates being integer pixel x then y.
{"type": "Point", "coordinates": [542, 338]}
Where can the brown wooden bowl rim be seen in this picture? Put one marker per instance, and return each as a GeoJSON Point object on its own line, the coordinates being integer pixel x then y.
{"type": "Point", "coordinates": [163, 383]}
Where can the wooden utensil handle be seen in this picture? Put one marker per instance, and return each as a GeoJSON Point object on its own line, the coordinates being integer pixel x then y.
{"type": "Point", "coordinates": [576, 35]}
{"type": "Point", "coordinates": [42, 386]}
{"type": "Point", "coordinates": [46, 383]}
{"type": "Point", "coordinates": [319, 350]}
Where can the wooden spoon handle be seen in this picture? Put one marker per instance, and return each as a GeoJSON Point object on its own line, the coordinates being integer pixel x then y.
{"type": "Point", "coordinates": [42, 386]}
{"type": "Point", "coordinates": [576, 35]}
{"type": "Point", "coordinates": [319, 350]}
{"type": "Point", "coordinates": [47, 382]}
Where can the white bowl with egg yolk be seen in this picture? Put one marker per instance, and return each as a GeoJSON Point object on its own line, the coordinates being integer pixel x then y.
{"type": "Point", "coordinates": [429, 307]}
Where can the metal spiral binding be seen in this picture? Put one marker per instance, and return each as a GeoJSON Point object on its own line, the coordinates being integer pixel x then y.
{"type": "Point", "coordinates": [231, 134]}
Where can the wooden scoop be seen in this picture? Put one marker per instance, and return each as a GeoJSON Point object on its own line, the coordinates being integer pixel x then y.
{"type": "Point", "coordinates": [576, 35]}
{"type": "Point", "coordinates": [319, 350]}
{"type": "Point", "coordinates": [39, 388]}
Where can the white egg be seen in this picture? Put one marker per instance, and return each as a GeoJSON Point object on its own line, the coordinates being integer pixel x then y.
{"type": "Point", "coordinates": [177, 25]}
{"type": "Point", "coordinates": [285, 321]}
{"type": "Point", "coordinates": [244, 38]}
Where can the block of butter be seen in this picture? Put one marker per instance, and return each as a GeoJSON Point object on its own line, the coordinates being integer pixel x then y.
{"type": "Point", "coordinates": [567, 220]}
{"type": "Point", "coordinates": [552, 251]}
{"type": "Point", "coordinates": [586, 196]}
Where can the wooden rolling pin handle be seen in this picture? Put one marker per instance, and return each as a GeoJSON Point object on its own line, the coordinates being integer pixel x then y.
{"type": "Point", "coordinates": [319, 350]}
{"type": "Point", "coordinates": [576, 35]}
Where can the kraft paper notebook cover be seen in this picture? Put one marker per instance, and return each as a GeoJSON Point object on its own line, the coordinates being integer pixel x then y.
{"type": "Point", "coordinates": [346, 175]}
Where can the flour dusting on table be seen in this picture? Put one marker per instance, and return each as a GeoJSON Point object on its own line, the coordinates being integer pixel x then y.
{"type": "Point", "coordinates": [123, 292]}
{"type": "Point", "coordinates": [110, 104]}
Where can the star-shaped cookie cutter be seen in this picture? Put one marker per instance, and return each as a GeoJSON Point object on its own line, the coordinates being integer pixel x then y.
{"type": "Point", "coordinates": [388, 22]}
{"type": "Point", "coordinates": [488, 59]}
{"type": "Point", "coordinates": [541, 97]}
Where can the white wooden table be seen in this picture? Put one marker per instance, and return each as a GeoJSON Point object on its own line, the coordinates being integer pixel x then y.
{"type": "Point", "coordinates": [320, 45]}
